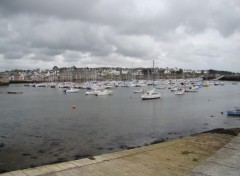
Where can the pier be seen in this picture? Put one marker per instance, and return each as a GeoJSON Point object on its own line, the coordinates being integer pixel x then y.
{"type": "Point", "coordinates": [188, 155]}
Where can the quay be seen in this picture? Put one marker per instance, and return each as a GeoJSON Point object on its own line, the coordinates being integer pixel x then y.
{"type": "Point", "coordinates": [210, 153]}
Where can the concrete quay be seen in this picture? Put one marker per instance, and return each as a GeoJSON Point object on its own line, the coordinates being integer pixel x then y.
{"type": "Point", "coordinates": [185, 156]}
{"type": "Point", "coordinates": [224, 162]}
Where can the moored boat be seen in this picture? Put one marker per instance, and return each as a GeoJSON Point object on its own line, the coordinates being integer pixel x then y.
{"type": "Point", "coordinates": [152, 94]}
{"type": "Point", "coordinates": [179, 92]}
{"type": "Point", "coordinates": [104, 92]}
{"type": "Point", "coordinates": [138, 91]}
{"type": "Point", "coordinates": [235, 112]}
{"type": "Point", "coordinates": [72, 90]}
{"type": "Point", "coordinates": [14, 92]}
{"type": "Point", "coordinates": [93, 92]}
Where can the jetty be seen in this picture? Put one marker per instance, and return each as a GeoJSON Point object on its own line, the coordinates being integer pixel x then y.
{"type": "Point", "coordinates": [218, 78]}
{"type": "Point", "coordinates": [211, 153]}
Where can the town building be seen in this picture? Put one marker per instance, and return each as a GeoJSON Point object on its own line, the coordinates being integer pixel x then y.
{"type": "Point", "coordinates": [4, 79]}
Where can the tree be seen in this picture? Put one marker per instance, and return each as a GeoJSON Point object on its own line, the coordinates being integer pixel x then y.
{"type": "Point", "coordinates": [55, 68]}
{"type": "Point", "coordinates": [180, 71]}
{"type": "Point", "coordinates": [73, 68]}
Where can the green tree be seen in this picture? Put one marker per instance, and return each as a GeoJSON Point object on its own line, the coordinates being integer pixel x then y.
{"type": "Point", "coordinates": [55, 68]}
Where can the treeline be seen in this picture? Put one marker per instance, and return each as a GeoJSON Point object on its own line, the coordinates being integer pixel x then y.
{"type": "Point", "coordinates": [231, 78]}
{"type": "Point", "coordinates": [211, 71]}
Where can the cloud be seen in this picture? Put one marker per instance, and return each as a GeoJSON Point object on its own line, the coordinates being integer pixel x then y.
{"type": "Point", "coordinates": [187, 34]}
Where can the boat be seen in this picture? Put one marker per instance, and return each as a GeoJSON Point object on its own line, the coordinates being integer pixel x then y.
{"type": "Point", "coordinates": [109, 86]}
{"type": "Point", "coordinates": [235, 112]}
{"type": "Point", "coordinates": [152, 94]}
{"type": "Point", "coordinates": [71, 90]}
{"type": "Point", "coordinates": [192, 89]}
{"type": "Point", "coordinates": [179, 92]}
{"type": "Point", "coordinates": [93, 92]}
{"type": "Point", "coordinates": [104, 92]}
{"type": "Point", "coordinates": [160, 87]}
{"type": "Point", "coordinates": [14, 92]}
{"type": "Point", "coordinates": [138, 91]}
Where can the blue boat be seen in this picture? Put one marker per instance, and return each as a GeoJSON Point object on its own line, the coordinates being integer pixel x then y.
{"type": "Point", "coordinates": [235, 112]}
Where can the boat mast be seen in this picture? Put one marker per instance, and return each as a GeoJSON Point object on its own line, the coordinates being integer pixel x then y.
{"type": "Point", "coordinates": [153, 73]}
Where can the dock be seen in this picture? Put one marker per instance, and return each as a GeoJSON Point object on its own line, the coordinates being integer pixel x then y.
{"type": "Point", "coordinates": [176, 157]}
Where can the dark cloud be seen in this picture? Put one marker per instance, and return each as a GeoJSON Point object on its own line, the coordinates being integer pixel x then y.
{"type": "Point", "coordinates": [122, 32]}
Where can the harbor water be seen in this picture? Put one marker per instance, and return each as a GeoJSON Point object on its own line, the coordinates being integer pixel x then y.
{"type": "Point", "coordinates": [40, 126]}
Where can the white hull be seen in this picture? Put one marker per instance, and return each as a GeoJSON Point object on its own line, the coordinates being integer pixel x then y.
{"type": "Point", "coordinates": [72, 91]}
{"type": "Point", "coordinates": [94, 92]}
{"type": "Point", "coordinates": [138, 91]}
{"type": "Point", "coordinates": [150, 95]}
{"type": "Point", "coordinates": [104, 92]}
{"type": "Point", "coordinates": [179, 92]}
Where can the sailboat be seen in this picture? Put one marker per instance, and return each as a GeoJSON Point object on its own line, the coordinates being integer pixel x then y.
{"type": "Point", "coordinates": [152, 94]}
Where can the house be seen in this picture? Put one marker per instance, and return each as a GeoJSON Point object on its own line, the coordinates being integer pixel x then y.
{"type": "Point", "coordinates": [187, 71]}
{"type": "Point", "coordinates": [167, 71]}
{"type": "Point", "coordinates": [198, 71]}
{"type": "Point", "coordinates": [4, 79]}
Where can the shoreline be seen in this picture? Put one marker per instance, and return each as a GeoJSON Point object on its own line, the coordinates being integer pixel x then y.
{"type": "Point", "coordinates": [219, 132]}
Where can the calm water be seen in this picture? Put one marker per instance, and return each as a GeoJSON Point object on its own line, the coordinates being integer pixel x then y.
{"type": "Point", "coordinates": [40, 126]}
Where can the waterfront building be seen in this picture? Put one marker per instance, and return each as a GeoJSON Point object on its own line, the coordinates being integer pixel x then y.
{"type": "Point", "coordinates": [4, 79]}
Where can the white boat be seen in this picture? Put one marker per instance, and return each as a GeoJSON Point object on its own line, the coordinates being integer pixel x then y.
{"type": "Point", "coordinates": [104, 92]}
{"type": "Point", "coordinates": [160, 87]}
{"type": "Point", "coordinates": [93, 92]}
{"type": "Point", "coordinates": [206, 84]}
{"type": "Point", "coordinates": [191, 89]}
{"type": "Point", "coordinates": [109, 86]}
{"type": "Point", "coordinates": [152, 94]}
{"type": "Point", "coordinates": [179, 92]}
{"type": "Point", "coordinates": [72, 90]}
{"type": "Point", "coordinates": [140, 83]}
{"type": "Point", "coordinates": [138, 91]}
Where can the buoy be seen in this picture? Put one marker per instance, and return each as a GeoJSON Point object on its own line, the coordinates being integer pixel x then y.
{"type": "Point", "coordinates": [73, 106]}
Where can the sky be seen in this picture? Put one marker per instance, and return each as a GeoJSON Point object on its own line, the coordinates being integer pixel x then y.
{"type": "Point", "coordinates": [187, 34]}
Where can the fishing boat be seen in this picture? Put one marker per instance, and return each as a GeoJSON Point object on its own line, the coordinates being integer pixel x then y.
{"type": "Point", "coordinates": [235, 112]}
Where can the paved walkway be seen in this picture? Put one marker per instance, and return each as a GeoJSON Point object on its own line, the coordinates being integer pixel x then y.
{"type": "Point", "coordinates": [176, 157]}
{"type": "Point", "coordinates": [225, 162]}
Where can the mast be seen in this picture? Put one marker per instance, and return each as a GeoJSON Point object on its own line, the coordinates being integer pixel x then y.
{"type": "Point", "coordinates": [153, 73]}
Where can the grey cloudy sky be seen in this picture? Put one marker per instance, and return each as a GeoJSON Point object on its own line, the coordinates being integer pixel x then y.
{"type": "Point", "coordinates": [194, 34]}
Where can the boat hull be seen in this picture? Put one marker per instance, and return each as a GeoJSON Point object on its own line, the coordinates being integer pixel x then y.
{"type": "Point", "coordinates": [149, 98]}
{"type": "Point", "coordinates": [233, 113]}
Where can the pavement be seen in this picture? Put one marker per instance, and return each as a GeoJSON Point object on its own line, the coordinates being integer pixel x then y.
{"type": "Point", "coordinates": [226, 162]}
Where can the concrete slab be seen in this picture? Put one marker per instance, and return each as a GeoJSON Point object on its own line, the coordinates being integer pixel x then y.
{"type": "Point", "coordinates": [224, 162]}
{"type": "Point", "coordinates": [33, 172]}
{"type": "Point", "coordinates": [6, 174]}
{"type": "Point", "coordinates": [226, 159]}
{"type": "Point", "coordinates": [212, 169]}
{"type": "Point", "coordinates": [233, 145]}
{"type": "Point", "coordinates": [18, 173]}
